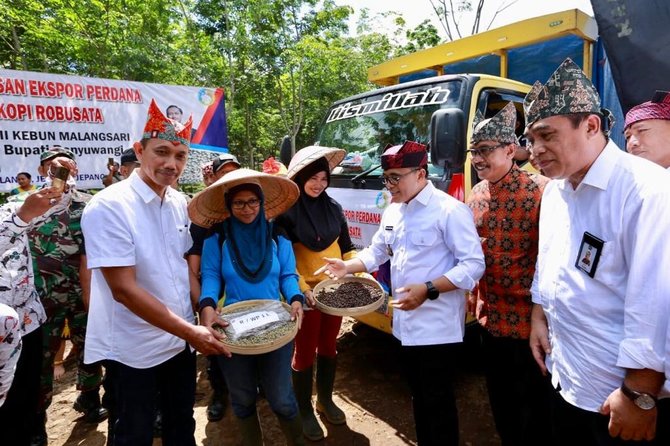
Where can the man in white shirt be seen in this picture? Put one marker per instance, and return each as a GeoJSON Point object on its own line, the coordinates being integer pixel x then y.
{"type": "Point", "coordinates": [506, 207]}
{"type": "Point", "coordinates": [435, 253]}
{"type": "Point", "coordinates": [141, 317]}
{"type": "Point", "coordinates": [596, 319]}
{"type": "Point", "coordinates": [647, 130]}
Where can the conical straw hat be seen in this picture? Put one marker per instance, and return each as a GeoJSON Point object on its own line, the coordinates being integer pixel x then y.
{"type": "Point", "coordinates": [209, 206]}
{"type": "Point", "coordinates": [308, 155]}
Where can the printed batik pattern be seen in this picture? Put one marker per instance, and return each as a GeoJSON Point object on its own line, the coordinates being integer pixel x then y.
{"type": "Point", "coordinates": [17, 286]}
{"type": "Point", "coordinates": [499, 128]}
{"type": "Point", "coordinates": [10, 348]}
{"type": "Point", "coordinates": [506, 215]}
{"type": "Point", "coordinates": [567, 91]}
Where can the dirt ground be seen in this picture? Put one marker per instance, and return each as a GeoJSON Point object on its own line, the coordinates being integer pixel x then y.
{"type": "Point", "coordinates": [369, 388]}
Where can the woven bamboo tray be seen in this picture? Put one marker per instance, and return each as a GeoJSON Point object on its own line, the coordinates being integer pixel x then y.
{"type": "Point", "coordinates": [258, 349]}
{"type": "Point", "coordinates": [331, 284]}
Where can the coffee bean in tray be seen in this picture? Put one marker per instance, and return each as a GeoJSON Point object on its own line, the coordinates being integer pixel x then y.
{"type": "Point", "coordinates": [277, 331]}
{"type": "Point", "coordinates": [350, 295]}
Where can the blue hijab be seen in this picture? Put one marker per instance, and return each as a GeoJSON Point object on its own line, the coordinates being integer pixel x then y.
{"type": "Point", "coordinates": [249, 245]}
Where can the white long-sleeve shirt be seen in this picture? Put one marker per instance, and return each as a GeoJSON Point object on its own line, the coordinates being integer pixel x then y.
{"type": "Point", "coordinates": [600, 326]}
{"type": "Point", "coordinates": [431, 236]}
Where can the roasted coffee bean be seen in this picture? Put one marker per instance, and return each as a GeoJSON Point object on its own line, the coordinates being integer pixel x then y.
{"type": "Point", "coordinates": [350, 295]}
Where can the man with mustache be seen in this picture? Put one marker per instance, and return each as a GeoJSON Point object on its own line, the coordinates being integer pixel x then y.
{"type": "Point", "coordinates": [506, 207]}
{"type": "Point", "coordinates": [61, 280]}
{"type": "Point", "coordinates": [141, 321]}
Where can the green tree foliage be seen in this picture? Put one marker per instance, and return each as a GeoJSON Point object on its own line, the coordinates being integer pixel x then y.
{"type": "Point", "coordinates": [281, 62]}
{"type": "Point", "coordinates": [425, 35]}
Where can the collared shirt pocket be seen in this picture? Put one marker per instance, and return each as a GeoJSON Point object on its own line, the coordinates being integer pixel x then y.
{"type": "Point", "coordinates": [185, 241]}
{"type": "Point", "coordinates": [423, 239]}
{"type": "Point", "coordinates": [611, 268]}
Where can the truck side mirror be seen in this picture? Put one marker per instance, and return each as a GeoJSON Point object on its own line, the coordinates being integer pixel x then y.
{"type": "Point", "coordinates": [285, 154]}
{"type": "Point", "coordinates": [447, 138]}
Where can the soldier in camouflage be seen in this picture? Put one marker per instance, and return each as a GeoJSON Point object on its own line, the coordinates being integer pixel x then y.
{"type": "Point", "coordinates": [62, 281]}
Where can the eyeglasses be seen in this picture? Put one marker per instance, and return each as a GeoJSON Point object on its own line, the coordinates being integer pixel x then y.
{"type": "Point", "coordinates": [484, 151]}
{"type": "Point", "coordinates": [238, 205]}
{"type": "Point", "coordinates": [393, 180]}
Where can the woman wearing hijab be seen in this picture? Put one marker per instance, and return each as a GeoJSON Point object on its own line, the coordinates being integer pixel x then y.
{"type": "Point", "coordinates": [249, 260]}
{"type": "Point", "coordinates": [318, 229]}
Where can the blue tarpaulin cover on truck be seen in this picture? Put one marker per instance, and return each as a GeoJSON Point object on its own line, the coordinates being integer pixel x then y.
{"type": "Point", "coordinates": [537, 62]}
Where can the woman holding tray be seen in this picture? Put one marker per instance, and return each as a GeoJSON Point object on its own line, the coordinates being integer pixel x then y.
{"type": "Point", "coordinates": [318, 229]}
{"type": "Point", "coordinates": [249, 260]}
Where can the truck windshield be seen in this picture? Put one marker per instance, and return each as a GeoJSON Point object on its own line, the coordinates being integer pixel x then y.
{"type": "Point", "coordinates": [365, 126]}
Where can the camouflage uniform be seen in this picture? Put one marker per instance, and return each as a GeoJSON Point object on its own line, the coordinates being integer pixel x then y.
{"type": "Point", "coordinates": [57, 247]}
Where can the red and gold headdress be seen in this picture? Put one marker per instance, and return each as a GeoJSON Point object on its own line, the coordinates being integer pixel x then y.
{"type": "Point", "coordinates": [162, 127]}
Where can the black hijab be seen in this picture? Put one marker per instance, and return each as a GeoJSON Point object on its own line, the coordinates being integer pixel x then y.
{"type": "Point", "coordinates": [314, 222]}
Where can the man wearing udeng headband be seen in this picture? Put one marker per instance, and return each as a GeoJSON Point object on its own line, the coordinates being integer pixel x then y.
{"type": "Point", "coordinates": [141, 317]}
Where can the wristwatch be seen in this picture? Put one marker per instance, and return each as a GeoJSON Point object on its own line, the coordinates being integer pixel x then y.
{"type": "Point", "coordinates": [643, 400]}
{"type": "Point", "coordinates": [432, 293]}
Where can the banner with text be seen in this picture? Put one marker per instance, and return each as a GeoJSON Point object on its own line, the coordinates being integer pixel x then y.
{"type": "Point", "coordinates": [97, 119]}
{"type": "Point", "coordinates": [363, 209]}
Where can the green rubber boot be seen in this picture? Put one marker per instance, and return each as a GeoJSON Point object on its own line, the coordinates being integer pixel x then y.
{"type": "Point", "coordinates": [302, 387]}
{"type": "Point", "coordinates": [250, 428]}
{"type": "Point", "coordinates": [292, 430]}
{"type": "Point", "coordinates": [325, 379]}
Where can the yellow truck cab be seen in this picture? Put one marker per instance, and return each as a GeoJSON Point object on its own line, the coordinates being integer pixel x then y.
{"type": "Point", "coordinates": [431, 96]}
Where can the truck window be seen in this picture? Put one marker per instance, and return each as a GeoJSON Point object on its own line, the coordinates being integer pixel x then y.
{"type": "Point", "coordinates": [492, 101]}
{"type": "Point", "coordinates": [366, 125]}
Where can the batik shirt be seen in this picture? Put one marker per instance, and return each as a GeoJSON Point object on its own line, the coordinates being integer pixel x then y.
{"type": "Point", "coordinates": [17, 288]}
{"type": "Point", "coordinates": [506, 215]}
{"type": "Point", "coordinates": [10, 348]}
{"type": "Point", "coordinates": [57, 247]}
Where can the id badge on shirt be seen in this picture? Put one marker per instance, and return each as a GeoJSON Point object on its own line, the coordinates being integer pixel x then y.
{"type": "Point", "coordinates": [589, 254]}
{"type": "Point", "coordinates": [389, 238]}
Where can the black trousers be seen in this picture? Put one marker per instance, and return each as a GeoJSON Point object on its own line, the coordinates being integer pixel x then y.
{"type": "Point", "coordinates": [429, 372]}
{"type": "Point", "coordinates": [215, 376]}
{"type": "Point", "coordinates": [17, 415]}
{"type": "Point", "coordinates": [573, 426]}
{"type": "Point", "coordinates": [134, 401]}
{"type": "Point", "coordinates": [518, 393]}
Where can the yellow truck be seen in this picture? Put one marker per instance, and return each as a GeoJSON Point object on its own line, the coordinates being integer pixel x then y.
{"type": "Point", "coordinates": [431, 96]}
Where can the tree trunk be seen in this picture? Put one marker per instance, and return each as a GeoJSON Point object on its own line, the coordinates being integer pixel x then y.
{"type": "Point", "coordinates": [247, 133]}
{"type": "Point", "coordinates": [17, 49]}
